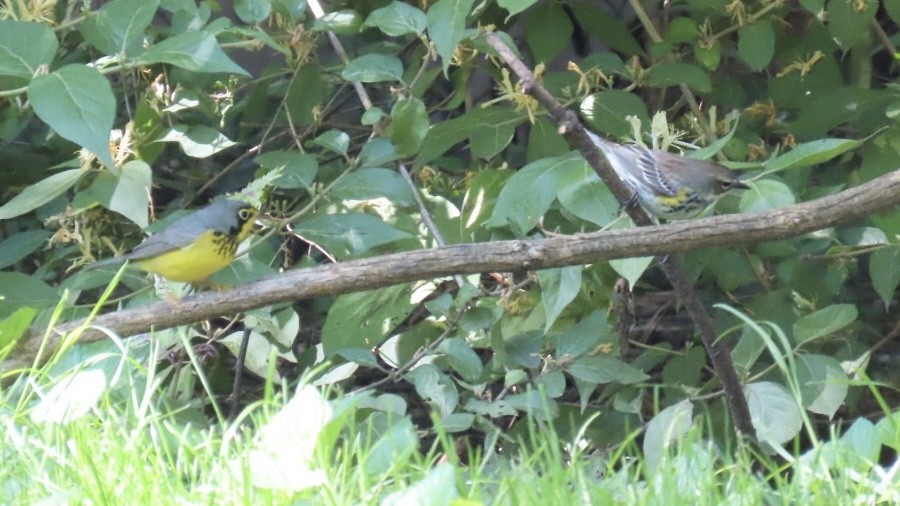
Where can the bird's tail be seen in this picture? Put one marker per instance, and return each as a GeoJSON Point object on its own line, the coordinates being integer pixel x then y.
{"type": "Point", "coordinates": [107, 262]}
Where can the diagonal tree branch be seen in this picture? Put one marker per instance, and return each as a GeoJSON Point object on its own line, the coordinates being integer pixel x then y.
{"type": "Point", "coordinates": [381, 271]}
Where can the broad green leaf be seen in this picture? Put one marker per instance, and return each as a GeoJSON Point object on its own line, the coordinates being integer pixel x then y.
{"type": "Point", "coordinates": [297, 170]}
{"type": "Point", "coordinates": [558, 288]}
{"type": "Point", "coordinates": [493, 122]}
{"type": "Point", "coordinates": [582, 337]}
{"type": "Point", "coordinates": [342, 22]}
{"type": "Point", "coordinates": [773, 411]}
{"type": "Point", "coordinates": [409, 125]}
{"type": "Point", "coordinates": [24, 47]}
{"type": "Point", "coordinates": [398, 443]}
{"type": "Point", "coordinates": [253, 11]}
{"type": "Point", "coordinates": [613, 32]}
{"type": "Point", "coordinates": [605, 369]}
{"type": "Point", "coordinates": [539, 181]}
{"type": "Point", "coordinates": [479, 202]}
{"type": "Point", "coordinates": [71, 398]}
{"type": "Point", "coordinates": [291, 9]}
{"type": "Point", "coordinates": [435, 387]}
{"type": "Point", "coordinates": [18, 246]}
{"type": "Point", "coordinates": [39, 193]}
{"type": "Point", "coordinates": [665, 75]}
{"type": "Point", "coordinates": [884, 270]}
{"type": "Point", "coordinates": [78, 103]}
{"type": "Point", "coordinates": [118, 27]}
{"type": "Point", "coordinates": [766, 194]}
{"type": "Point", "coordinates": [198, 51]}
{"type": "Point", "coordinates": [667, 426]}
{"type": "Point", "coordinates": [606, 112]}
{"type": "Point", "coordinates": [892, 7]}
{"type": "Point", "coordinates": [305, 94]}
{"type": "Point", "coordinates": [515, 6]}
{"type": "Point", "coordinates": [377, 151]}
{"type": "Point", "coordinates": [438, 487]}
{"type": "Point", "coordinates": [824, 322]}
{"type": "Point", "coordinates": [548, 30]}
{"type": "Point", "coordinates": [351, 234]}
{"type": "Point", "coordinates": [589, 199]}
{"type": "Point", "coordinates": [365, 184]}
{"type": "Point", "coordinates": [850, 22]}
{"type": "Point", "coordinates": [747, 350]}
{"type": "Point", "coordinates": [629, 268]}
{"type": "Point", "coordinates": [823, 383]}
{"type": "Point", "coordinates": [363, 319]}
{"type": "Point", "coordinates": [681, 30]}
{"type": "Point", "coordinates": [20, 290]}
{"type": "Point", "coordinates": [197, 141]}
{"type": "Point", "coordinates": [334, 140]}
{"type": "Point", "coordinates": [446, 22]}
{"type": "Point", "coordinates": [396, 19]}
{"type": "Point", "coordinates": [710, 56]}
{"type": "Point", "coordinates": [127, 193]}
{"type": "Point", "coordinates": [756, 44]}
{"type": "Point", "coordinates": [544, 140]}
{"type": "Point", "coordinates": [811, 153]}
{"type": "Point", "coordinates": [15, 325]}
{"type": "Point", "coordinates": [373, 68]}
{"type": "Point", "coordinates": [462, 358]}
{"type": "Point", "coordinates": [258, 354]}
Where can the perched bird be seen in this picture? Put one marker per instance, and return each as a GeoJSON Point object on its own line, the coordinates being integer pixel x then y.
{"type": "Point", "coordinates": [194, 247]}
{"type": "Point", "coordinates": [668, 186]}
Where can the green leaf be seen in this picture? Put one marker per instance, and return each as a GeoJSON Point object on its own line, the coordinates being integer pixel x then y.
{"type": "Point", "coordinates": [438, 487]}
{"type": "Point", "coordinates": [850, 25]}
{"type": "Point", "coordinates": [18, 246]}
{"type": "Point", "coordinates": [558, 288]}
{"type": "Point", "coordinates": [539, 181]}
{"type": "Point", "coordinates": [665, 75]}
{"type": "Point", "coordinates": [462, 358]}
{"type": "Point", "coordinates": [342, 22]}
{"type": "Point", "coordinates": [24, 47]}
{"type": "Point", "coordinates": [515, 6]}
{"type": "Point", "coordinates": [197, 51]}
{"type": "Point", "coordinates": [297, 170]}
{"type": "Point", "coordinates": [377, 151]}
{"type": "Point", "coordinates": [118, 27]}
{"type": "Point", "coordinates": [197, 141]}
{"type": "Point", "coordinates": [605, 369]}
{"type": "Point", "coordinates": [548, 30]}
{"type": "Point", "coordinates": [773, 411]}
{"type": "Point", "coordinates": [15, 325]}
{"type": "Point", "coordinates": [884, 270]}
{"type": "Point", "coordinates": [766, 194]}
{"type": "Point", "coordinates": [582, 337]}
{"type": "Point", "coordinates": [127, 193]}
{"type": "Point", "coordinates": [756, 44]}
{"type": "Point", "coordinates": [629, 268]}
{"type": "Point", "coordinates": [606, 112]}
{"type": "Point", "coordinates": [366, 184]}
{"type": "Point", "coordinates": [253, 11]}
{"type": "Point", "coordinates": [588, 199]}
{"type": "Point", "coordinates": [409, 125]}
{"type": "Point", "coordinates": [667, 426]}
{"type": "Point", "coordinates": [363, 319]}
{"type": "Point", "coordinates": [811, 153]}
{"type": "Point", "coordinates": [305, 94]}
{"type": "Point", "coordinates": [492, 125]}
{"type": "Point", "coordinates": [611, 31]}
{"type": "Point", "coordinates": [823, 383]}
{"type": "Point", "coordinates": [20, 290]}
{"type": "Point", "coordinates": [78, 103]}
{"type": "Point", "coordinates": [39, 194]}
{"type": "Point", "coordinates": [709, 57]}
{"type": "Point", "coordinates": [334, 140]}
{"type": "Point", "coordinates": [351, 234]}
{"type": "Point", "coordinates": [446, 22]}
{"type": "Point", "coordinates": [435, 387]}
{"type": "Point", "coordinates": [824, 322]}
{"type": "Point", "coordinates": [373, 68]}
{"type": "Point", "coordinates": [397, 19]}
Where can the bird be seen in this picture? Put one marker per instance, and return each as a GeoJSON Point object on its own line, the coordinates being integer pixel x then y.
{"type": "Point", "coordinates": [666, 185]}
{"type": "Point", "coordinates": [195, 246]}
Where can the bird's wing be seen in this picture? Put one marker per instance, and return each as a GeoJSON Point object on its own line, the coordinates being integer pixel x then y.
{"type": "Point", "coordinates": [177, 235]}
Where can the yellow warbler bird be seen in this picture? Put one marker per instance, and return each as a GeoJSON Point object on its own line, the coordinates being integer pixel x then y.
{"type": "Point", "coordinates": [194, 247]}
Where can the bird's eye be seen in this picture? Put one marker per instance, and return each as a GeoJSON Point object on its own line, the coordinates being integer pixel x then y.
{"type": "Point", "coordinates": [245, 214]}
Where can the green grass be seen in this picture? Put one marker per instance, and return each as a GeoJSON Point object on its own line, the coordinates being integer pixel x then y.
{"type": "Point", "coordinates": [99, 427]}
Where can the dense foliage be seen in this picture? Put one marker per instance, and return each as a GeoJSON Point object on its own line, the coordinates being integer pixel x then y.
{"type": "Point", "coordinates": [164, 104]}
